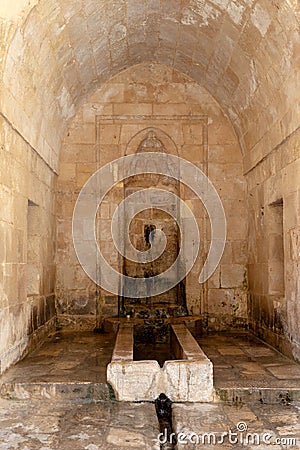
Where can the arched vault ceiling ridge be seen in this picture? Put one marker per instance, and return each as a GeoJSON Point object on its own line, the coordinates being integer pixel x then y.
{"type": "Point", "coordinates": [239, 50]}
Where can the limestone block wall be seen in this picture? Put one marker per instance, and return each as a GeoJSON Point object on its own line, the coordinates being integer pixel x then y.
{"type": "Point", "coordinates": [27, 272]}
{"type": "Point", "coordinates": [112, 123]}
{"type": "Point", "coordinates": [274, 247]}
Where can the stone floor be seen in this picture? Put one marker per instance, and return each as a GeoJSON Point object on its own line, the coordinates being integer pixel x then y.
{"type": "Point", "coordinates": [69, 365]}
{"type": "Point", "coordinates": [57, 399]}
{"type": "Point", "coordinates": [244, 367]}
{"type": "Point", "coordinates": [52, 425]}
{"type": "Point", "coordinates": [248, 370]}
{"type": "Point", "coordinates": [67, 356]}
{"type": "Point", "coordinates": [230, 427]}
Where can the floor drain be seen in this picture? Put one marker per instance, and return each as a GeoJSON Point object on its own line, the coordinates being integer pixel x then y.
{"type": "Point", "coordinates": [163, 407]}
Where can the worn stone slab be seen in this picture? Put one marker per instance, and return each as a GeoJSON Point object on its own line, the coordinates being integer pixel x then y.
{"type": "Point", "coordinates": [248, 371]}
{"type": "Point", "coordinates": [134, 380]}
{"type": "Point", "coordinates": [190, 381]}
{"type": "Point", "coordinates": [68, 365]}
{"type": "Point", "coordinates": [46, 391]}
{"type": "Point", "coordinates": [84, 426]}
{"type": "Point", "coordinates": [216, 425]}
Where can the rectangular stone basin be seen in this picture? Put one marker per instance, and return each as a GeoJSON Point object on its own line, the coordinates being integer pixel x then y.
{"type": "Point", "coordinates": [188, 378]}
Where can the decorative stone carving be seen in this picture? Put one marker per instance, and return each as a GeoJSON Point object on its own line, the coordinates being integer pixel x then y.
{"type": "Point", "coordinates": [151, 143]}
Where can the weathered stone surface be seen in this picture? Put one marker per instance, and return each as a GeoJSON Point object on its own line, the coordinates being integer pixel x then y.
{"type": "Point", "coordinates": [247, 371]}
{"type": "Point", "coordinates": [134, 380]}
{"type": "Point", "coordinates": [218, 425]}
{"type": "Point", "coordinates": [190, 381]}
{"type": "Point", "coordinates": [189, 378]}
{"type": "Point", "coordinates": [231, 60]}
{"type": "Point", "coordinates": [27, 247]}
{"type": "Point", "coordinates": [70, 364]}
{"type": "Point", "coordinates": [204, 137]}
{"type": "Point", "coordinates": [85, 426]}
{"type": "Point", "coordinates": [273, 256]}
{"type": "Point", "coordinates": [54, 54]}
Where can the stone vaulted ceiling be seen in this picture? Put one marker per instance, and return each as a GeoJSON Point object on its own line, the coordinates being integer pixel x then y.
{"type": "Point", "coordinates": [246, 53]}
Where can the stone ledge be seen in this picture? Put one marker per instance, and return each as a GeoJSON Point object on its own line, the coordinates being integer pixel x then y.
{"type": "Point", "coordinates": [187, 344]}
{"type": "Point", "coordinates": [47, 391]}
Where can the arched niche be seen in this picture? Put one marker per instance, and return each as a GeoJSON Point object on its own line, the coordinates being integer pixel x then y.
{"type": "Point", "coordinates": [144, 224]}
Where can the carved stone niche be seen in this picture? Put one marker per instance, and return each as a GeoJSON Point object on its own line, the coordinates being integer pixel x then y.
{"type": "Point", "coordinates": [169, 171]}
{"type": "Point", "coordinates": [151, 219]}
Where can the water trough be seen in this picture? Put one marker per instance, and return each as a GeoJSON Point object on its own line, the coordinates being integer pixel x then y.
{"type": "Point", "coordinates": [186, 378]}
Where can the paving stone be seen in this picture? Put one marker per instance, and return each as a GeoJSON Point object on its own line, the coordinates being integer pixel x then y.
{"type": "Point", "coordinates": [285, 372]}
{"type": "Point", "coordinates": [250, 373]}
{"type": "Point", "coordinates": [197, 420]}
{"type": "Point", "coordinates": [90, 426]}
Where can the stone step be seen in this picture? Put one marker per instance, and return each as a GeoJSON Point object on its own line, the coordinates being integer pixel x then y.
{"type": "Point", "coordinates": [86, 391]}
{"type": "Point", "coordinates": [101, 392]}
{"type": "Point", "coordinates": [251, 396]}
